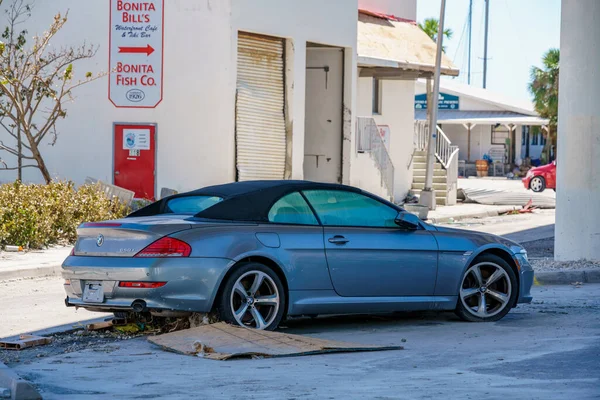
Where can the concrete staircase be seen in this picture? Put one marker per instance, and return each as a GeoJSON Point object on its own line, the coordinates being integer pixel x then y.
{"type": "Point", "coordinates": [440, 178]}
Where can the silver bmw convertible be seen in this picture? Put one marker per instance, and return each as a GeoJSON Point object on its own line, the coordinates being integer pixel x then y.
{"type": "Point", "coordinates": [258, 252]}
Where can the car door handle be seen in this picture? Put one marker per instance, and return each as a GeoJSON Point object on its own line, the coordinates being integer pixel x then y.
{"type": "Point", "coordinates": [337, 239]}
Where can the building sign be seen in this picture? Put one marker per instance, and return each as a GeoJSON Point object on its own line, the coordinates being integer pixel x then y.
{"type": "Point", "coordinates": [445, 102]}
{"type": "Point", "coordinates": [136, 53]}
{"type": "Point", "coordinates": [136, 139]}
{"type": "Point", "coordinates": [384, 131]}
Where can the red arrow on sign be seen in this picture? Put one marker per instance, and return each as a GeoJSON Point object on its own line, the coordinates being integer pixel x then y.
{"type": "Point", "coordinates": [148, 50]}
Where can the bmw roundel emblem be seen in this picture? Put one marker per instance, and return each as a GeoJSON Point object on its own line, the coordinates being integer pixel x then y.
{"type": "Point", "coordinates": [100, 240]}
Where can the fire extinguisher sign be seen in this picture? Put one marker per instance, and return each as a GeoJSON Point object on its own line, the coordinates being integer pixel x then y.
{"type": "Point", "coordinates": [136, 53]}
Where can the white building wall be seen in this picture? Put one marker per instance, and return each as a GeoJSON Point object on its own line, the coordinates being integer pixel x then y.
{"type": "Point", "coordinates": [195, 143]}
{"type": "Point", "coordinates": [301, 22]}
{"type": "Point", "coordinates": [195, 119]}
{"type": "Point", "coordinates": [397, 111]}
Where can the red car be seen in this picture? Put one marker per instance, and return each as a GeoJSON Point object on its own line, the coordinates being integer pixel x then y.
{"type": "Point", "coordinates": [540, 178]}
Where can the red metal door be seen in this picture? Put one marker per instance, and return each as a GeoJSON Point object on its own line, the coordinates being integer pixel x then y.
{"type": "Point", "coordinates": [135, 158]}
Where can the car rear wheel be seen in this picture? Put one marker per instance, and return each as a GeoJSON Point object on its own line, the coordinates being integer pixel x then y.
{"type": "Point", "coordinates": [537, 184]}
{"type": "Point", "coordinates": [488, 290]}
{"type": "Point", "coordinates": [254, 297]}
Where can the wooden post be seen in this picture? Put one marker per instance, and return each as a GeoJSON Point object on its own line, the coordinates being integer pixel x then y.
{"type": "Point", "coordinates": [469, 142]}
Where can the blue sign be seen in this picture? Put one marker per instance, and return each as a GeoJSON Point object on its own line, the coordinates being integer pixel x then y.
{"type": "Point", "coordinates": [445, 102]}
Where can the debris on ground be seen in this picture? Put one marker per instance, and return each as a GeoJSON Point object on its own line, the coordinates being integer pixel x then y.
{"type": "Point", "coordinates": [222, 341]}
{"type": "Point", "coordinates": [100, 335]}
{"type": "Point", "coordinates": [527, 208]}
{"type": "Point", "coordinates": [24, 342]}
{"type": "Point", "coordinates": [505, 198]}
{"type": "Point", "coordinates": [13, 249]}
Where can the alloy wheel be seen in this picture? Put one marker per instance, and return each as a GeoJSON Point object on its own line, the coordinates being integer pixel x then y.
{"type": "Point", "coordinates": [255, 300]}
{"type": "Point", "coordinates": [486, 290]}
{"type": "Point", "coordinates": [536, 184]}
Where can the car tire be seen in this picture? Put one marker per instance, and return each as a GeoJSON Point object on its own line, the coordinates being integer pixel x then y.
{"type": "Point", "coordinates": [499, 296]}
{"type": "Point", "coordinates": [537, 184]}
{"type": "Point", "coordinates": [253, 296]}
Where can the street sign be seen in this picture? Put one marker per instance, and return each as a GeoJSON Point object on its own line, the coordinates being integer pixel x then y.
{"type": "Point", "coordinates": [136, 53]}
{"type": "Point", "coordinates": [445, 102]}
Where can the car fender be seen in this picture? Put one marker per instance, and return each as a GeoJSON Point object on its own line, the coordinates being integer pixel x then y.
{"type": "Point", "coordinates": [486, 248]}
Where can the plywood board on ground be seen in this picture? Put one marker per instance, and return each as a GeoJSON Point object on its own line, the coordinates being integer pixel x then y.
{"type": "Point", "coordinates": [222, 341]}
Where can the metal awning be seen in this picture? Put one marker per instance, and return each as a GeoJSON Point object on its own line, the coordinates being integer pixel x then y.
{"type": "Point", "coordinates": [482, 117]}
{"type": "Point", "coordinates": [396, 48]}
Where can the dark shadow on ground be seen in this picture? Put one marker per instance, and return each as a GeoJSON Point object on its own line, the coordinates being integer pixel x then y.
{"type": "Point", "coordinates": [540, 248]}
{"type": "Point", "coordinates": [528, 235]}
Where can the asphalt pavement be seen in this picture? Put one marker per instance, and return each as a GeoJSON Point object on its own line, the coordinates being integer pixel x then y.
{"type": "Point", "coordinates": [547, 350]}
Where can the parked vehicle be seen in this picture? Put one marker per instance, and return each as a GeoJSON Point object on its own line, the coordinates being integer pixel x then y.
{"type": "Point", "coordinates": [257, 252]}
{"type": "Point", "coordinates": [540, 178]}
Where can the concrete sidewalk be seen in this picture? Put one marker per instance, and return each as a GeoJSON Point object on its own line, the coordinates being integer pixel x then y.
{"type": "Point", "coordinates": [32, 264]}
{"type": "Point", "coordinates": [461, 211]}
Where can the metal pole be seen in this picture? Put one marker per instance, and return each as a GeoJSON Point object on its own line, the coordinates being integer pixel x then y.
{"type": "Point", "coordinates": [485, 46]}
{"type": "Point", "coordinates": [470, 29]}
{"type": "Point", "coordinates": [428, 194]}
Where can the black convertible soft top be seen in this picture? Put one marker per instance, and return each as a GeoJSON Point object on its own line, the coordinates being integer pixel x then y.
{"type": "Point", "coordinates": [246, 201]}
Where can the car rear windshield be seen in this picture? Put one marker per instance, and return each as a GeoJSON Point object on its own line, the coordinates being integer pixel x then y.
{"type": "Point", "coordinates": [190, 204]}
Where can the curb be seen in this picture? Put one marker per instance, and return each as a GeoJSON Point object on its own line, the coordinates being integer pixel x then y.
{"type": "Point", "coordinates": [567, 277]}
{"type": "Point", "coordinates": [29, 273]}
{"type": "Point", "coordinates": [16, 387]}
{"type": "Point", "coordinates": [483, 214]}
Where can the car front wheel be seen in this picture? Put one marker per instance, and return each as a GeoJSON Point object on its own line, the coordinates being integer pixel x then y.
{"type": "Point", "coordinates": [253, 297]}
{"type": "Point", "coordinates": [538, 184]}
{"type": "Point", "coordinates": [488, 290]}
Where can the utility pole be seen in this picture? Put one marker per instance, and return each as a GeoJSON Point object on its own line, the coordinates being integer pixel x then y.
{"type": "Point", "coordinates": [470, 29]}
{"type": "Point", "coordinates": [485, 45]}
{"type": "Point", "coordinates": [428, 194]}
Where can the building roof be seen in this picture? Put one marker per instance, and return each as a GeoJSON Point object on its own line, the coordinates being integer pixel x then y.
{"type": "Point", "coordinates": [390, 42]}
{"type": "Point", "coordinates": [482, 95]}
{"type": "Point", "coordinates": [482, 117]}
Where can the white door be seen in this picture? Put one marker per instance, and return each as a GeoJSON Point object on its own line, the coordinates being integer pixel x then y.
{"type": "Point", "coordinates": [260, 121]}
{"type": "Point", "coordinates": [324, 111]}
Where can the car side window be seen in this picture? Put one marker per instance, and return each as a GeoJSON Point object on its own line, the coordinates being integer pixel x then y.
{"type": "Point", "coordinates": [292, 209]}
{"type": "Point", "coordinates": [342, 208]}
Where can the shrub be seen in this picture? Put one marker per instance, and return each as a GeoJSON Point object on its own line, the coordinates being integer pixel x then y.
{"type": "Point", "coordinates": [39, 215]}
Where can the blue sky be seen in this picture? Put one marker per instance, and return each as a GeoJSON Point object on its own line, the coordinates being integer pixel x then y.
{"type": "Point", "coordinates": [520, 32]}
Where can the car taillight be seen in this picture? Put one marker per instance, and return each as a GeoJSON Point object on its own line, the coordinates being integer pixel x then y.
{"type": "Point", "coordinates": [142, 285]}
{"type": "Point", "coordinates": [72, 251]}
{"type": "Point", "coordinates": [166, 247]}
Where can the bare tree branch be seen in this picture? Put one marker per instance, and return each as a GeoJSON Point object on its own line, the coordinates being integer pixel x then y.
{"type": "Point", "coordinates": [5, 168]}
{"type": "Point", "coordinates": [36, 81]}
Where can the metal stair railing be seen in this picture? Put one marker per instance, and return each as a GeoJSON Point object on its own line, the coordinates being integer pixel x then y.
{"type": "Point", "coordinates": [445, 151]}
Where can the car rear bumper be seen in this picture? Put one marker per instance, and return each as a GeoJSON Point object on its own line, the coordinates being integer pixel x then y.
{"type": "Point", "coordinates": [191, 283]}
{"type": "Point", "coordinates": [526, 181]}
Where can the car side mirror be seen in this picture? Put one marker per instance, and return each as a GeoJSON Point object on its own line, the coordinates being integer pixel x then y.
{"type": "Point", "coordinates": [406, 220]}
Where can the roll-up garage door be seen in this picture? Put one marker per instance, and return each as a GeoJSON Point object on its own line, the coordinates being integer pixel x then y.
{"type": "Point", "coordinates": [260, 120]}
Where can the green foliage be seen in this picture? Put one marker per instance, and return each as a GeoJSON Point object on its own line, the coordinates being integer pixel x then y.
{"type": "Point", "coordinates": [431, 27]}
{"type": "Point", "coordinates": [544, 86]}
{"type": "Point", "coordinates": [38, 215]}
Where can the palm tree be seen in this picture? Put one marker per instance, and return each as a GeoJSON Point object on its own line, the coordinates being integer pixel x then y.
{"type": "Point", "coordinates": [431, 27]}
{"type": "Point", "coordinates": [544, 88]}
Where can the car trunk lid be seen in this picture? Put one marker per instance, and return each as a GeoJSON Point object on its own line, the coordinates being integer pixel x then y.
{"type": "Point", "coordinates": [128, 236]}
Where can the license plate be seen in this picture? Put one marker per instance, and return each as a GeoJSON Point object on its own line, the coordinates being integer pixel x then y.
{"type": "Point", "coordinates": [93, 292]}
